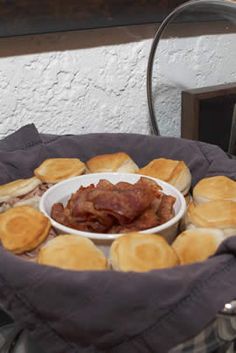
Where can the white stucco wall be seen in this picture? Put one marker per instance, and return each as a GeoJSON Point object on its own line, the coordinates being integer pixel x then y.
{"type": "Point", "coordinates": [95, 80]}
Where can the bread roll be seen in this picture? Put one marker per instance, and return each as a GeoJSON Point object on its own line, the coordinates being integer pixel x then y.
{"type": "Point", "coordinates": [174, 172]}
{"type": "Point", "coordinates": [119, 162]}
{"type": "Point", "coordinates": [214, 188]}
{"type": "Point", "coordinates": [53, 170]}
{"type": "Point", "coordinates": [23, 229]}
{"type": "Point", "coordinates": [197, 244]}
{"type": "Point", "coordinates": [32, 202]}
{"type": "Point", "coordinates": [72, 252]}
{"type": "Point", "coordinates": [218, 214]}
{"type": "Point", "coordinates": [18, 188]}
{"type": "Point", "coordinates": [141, 252]}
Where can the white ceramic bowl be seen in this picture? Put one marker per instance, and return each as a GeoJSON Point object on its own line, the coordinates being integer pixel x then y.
{"type": "Point", "coordinates": [62, 191]}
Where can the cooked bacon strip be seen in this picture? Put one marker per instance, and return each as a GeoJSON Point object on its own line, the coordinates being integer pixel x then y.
{"type": "Point", "coordinates": [125, 201]}
{"type": "Point", "coordinates": [58, 213]}
{"type": "Point", "coordinates": [92, 226]}
{"type": "Point", "coordinates": [79, 196]}
{"type": "Point", "coordinates": [80, 209]}
{"type": "Point", "coordinates": [148, 219]}
{"type": "Point", "coordinates": [165, 212]}
{"type": "Point", "coordinates": [105, 185]}
{"type": "Point", "coordinates": [86, 212]}
{"type": "Point", "coordinates": [124, 205]}
{"type": "Point", "coordinates": [115, 208]}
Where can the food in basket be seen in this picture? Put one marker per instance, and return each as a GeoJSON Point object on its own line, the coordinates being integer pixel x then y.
{"type": "Point", "coordinates": [53, 170]}
{"type": "Point", "coordinates": [214, 188]}
{"type": "Point", "coordinates": [72, 252]}
{"type": "Point", "coordinates": [116, 208]}
{"type": "Point", "coordinates": [195, 245]}
{"type": "Point", "coordinates": [220, 214]}
{"type": "Point", "coordinates": [32, 254]}
{"type": "Point", "coordinates": [23, 229]}
{"type": "Point", "coordinates": [174, 172]}
{"type": "Point", "coordinates": [141, 252]}
{"type": "Point", "coordinates": [188, 198]}
{"type": "Point", "coordinates": [21, 192]}
{"type": "Point", "coordinates": [119, 162]}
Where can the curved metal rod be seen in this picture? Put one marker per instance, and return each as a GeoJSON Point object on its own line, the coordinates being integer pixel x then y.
{"type": "Point", "coordinates": [223, 4]}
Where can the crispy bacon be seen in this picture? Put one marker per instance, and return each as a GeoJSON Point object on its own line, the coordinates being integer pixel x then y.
{"type": "Point", "coordinates": [58, 213]}
{"type": "Point", "coordinates": [147, 219]}
{"type": "Point", "coordinates": [124, 205]}
{"type": "Point", "coordinates": [115, 208]}
{"type": "Point", "coordinates": [165, 212]}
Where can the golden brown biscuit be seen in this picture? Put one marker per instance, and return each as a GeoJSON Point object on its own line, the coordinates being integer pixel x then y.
{"type": "Point", "coordinates": [18, 188]}
{"type": "Point", "coordinates": [23, 228]}
{"type": "Point", "coordinates": [54, 170]}
{"type": "Point", "coordinates": [72, 252]}
{"type": "Point", "coordinates": [214, 188]}
{"type": "Point", "coordinates": [173, 172]}
{"type": "Point", "coordinates": [141, 252]}
{"type": "Point", "coordinates": [218, 214]}
{"type": "Point", "coordinates": [114, 162]}
{"type": "Point", "coordinates": [197, 244]}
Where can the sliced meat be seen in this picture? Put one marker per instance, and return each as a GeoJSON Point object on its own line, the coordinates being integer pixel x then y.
{"type": "Point", "coordinates": [89, 226]}
{"type": "Point", "coordinates": [38, 191]}
{"type": "Point", "coordinates": [80, 195]}
{"type": "Point", "coordinates": [115, 208]}
{"type": "Point", "coordinates": [123, 201]}
{"type": "Point", "coordinates": [124, 205]}
{"type": "Point", "coordinates": [35, 195]}
{"type": "Point", "coordinates": [148, 219]}
{"type": "Point", "coordinates": [165, 211]}
{"type": "Point", "coordinates": [84, 211]}
{"type": "Point", "coordinates": [58, 213]}
{"type": "Point", "coordinates": [105, 185]}
{"type": "Point", "coordinates": [151, 185]}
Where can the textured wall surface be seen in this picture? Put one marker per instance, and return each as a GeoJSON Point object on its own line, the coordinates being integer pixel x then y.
{"type": "Point", "coordinates": [93, 81]}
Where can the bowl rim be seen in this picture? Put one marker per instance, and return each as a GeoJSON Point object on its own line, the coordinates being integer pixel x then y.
{"type": "Point", "coordinates": [111, 236]}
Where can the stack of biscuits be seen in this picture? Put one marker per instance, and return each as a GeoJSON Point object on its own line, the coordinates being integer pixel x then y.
{"type": "Point", "coordinates": [23, 228]}
{"type": "Point", "coordinates": [210, 218]}
{"type": "Point", "coordinates": [25, 231]}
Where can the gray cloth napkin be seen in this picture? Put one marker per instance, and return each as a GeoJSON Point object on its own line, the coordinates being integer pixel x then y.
{"type": "Point", "coordinates": [108, 311]}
